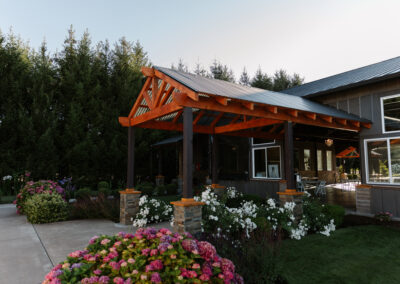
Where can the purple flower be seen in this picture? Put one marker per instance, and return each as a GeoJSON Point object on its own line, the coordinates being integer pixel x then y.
{"type": "Point", "coordinates": [163, 247]}
{"type": "Point", "coordinates": [76, 265]}
{"type": "Point", "coordinates": [155, 277]}
{"type": "Point", "coordinates": [189, 245]}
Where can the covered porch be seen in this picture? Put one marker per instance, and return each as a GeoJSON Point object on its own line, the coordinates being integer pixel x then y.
{"type": "Point", "coordinates": [178, 101]}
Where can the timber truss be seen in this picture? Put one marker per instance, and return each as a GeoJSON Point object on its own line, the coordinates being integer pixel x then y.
{"type": "Point", "coordinates": [161, 101]}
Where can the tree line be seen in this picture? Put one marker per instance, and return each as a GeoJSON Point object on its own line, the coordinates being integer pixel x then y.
{"type": "Point", "coordinates": [59, 111]}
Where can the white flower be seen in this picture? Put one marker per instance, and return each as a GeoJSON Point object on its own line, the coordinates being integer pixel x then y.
{"type": "Point", "coordinates": [7, 177]}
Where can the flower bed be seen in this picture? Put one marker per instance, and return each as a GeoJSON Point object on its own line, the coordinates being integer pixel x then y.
{"type": "Point", "coordinates": [220, 219]}
{"type": "Point", "coordinates": [31, 188]}
{"type": "Point", "coordinates": [148, 256]}
{"type": "Point", "coordinates": [152, 211]}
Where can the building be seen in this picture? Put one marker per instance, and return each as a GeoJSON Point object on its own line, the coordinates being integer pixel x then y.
{"type": "Point", "coordinates": [257, 140]}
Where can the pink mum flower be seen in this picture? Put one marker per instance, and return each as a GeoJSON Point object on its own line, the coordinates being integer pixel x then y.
{"type": "Point", "coordinates": [155, 277]}
{"type": "Point", "coordinates": [206, 250]}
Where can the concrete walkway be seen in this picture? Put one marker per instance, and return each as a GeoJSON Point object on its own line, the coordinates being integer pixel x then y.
{"type": "Point", "coordinates": [28, 252]}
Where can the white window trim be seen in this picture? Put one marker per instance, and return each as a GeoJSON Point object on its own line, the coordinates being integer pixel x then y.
{"type": "Point", "coordinates": [387, 139]}
{"type": "Point", "coordinates": [266, 161]}
{"type": "Point", "coordinates": [383, 114]}
{"type": "Point", "coordinates": [262, 144]}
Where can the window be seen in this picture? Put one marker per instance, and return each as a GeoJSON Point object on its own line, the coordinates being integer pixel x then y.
{"type": "Point", "coordinates": [307, 160]}
{"type": "Point", "coordinates": [267, 162]}
{"type": "Point", "coordinates": [391, 113]}
{"type": "Point", "coordinates": [319, 160]}
{"type": "Point", "coordinates": [383, 160]}
{"type": "Point", "coordinates": [260, 141]}
{"type": "Point", "coordinates": [328, 160]}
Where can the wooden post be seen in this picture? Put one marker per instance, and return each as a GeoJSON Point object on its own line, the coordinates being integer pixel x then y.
{"type": "Point", "coordinates": [131, 158]}
{"type": "Point", "coordinates": [289, 155]}
{"type": "Point", "coordinates": [214, 157]}
{"type": "Point", "coordinates": [159, 162]}
{"type": "Point", "coordinates": [187, 152]}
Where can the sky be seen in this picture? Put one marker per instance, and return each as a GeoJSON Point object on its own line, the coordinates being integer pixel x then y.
{"type": "Point", "coordinates": [313, 38]}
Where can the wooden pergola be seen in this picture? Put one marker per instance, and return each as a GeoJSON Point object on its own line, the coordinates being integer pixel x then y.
{"type": "Point", "coordinates": [171, 103]}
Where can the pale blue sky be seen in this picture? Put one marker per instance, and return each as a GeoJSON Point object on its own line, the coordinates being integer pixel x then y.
{"type": "Point", "coordinates": [313, 38]}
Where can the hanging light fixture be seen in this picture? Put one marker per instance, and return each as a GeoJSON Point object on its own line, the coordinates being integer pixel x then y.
{"type": "Point", "coordinates": [329, 142]}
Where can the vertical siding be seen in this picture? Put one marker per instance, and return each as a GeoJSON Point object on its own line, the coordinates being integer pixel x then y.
{"type": "Point", "coordinates": [264, 189]}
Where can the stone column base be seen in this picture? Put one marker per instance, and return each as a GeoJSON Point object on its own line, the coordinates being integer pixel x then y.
{"type": "Point", "coordinates": [363, 198]}
{"type": "Point", "coordinates": [282, 185]}
{"type": "Point", "coordinates": [129, 205]}
{"type": "Point", "coordinates": [218, 189]}
{"type": "Point", "coordinates": [291, 195]}
{"type": "Point", "coordinates": [187, 216]}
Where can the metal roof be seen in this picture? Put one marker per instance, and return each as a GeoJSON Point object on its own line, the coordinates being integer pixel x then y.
{"type": "Point", "coordinates": [372, 73]}
{"type": "Point", "coordinates": [226, 89]}
{"type": "Point", "coordinates": [168, 141]}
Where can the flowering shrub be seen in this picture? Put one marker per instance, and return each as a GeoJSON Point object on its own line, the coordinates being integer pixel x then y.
{"type": "Point", "coordinates": [228, 222]}
{"type": "Point", "coordinates": [31, 188]}
{"type": "Point", "coordinates": [148, 256]}
{"type": "Point", "coordinates": [383, 216]}
{"type": "Point", "coordinates": [152, 211]}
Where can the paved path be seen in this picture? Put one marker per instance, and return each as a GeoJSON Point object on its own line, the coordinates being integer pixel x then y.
{"type": "Point", "coordinates": [27, 252]}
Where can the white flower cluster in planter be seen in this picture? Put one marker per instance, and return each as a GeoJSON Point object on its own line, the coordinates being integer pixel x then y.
{"type": "Point", "coordinates": [152, 211]}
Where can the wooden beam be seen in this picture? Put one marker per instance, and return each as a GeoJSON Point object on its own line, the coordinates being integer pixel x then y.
{"type": "Point", "coordinates": [245, 125]}
{"type": "Point", "coordinates": [248, 105]}
{"type": "Point", "coordinates": [326, 118]}
{"type": "Point", "coordinates": [237, 108]}
{"type": "Point", "coordinates": [148, 99]}
{"type": "Point", "coordinates": [254, 134]}
{"type": "Point", "coordinates": [156, 113]}
{"type": "Point", "coordinates": [189, 92]}
{"type": "Point", "coordinates": [147, 71]}
{"type": "Point", "coordinates": [341, 121]}
{"type": "Point", "coordinates": [139, 99]}
{"type": "Point", "coordinates": [272, 109]}
{"type": "Point", "coordinates": [312, 116]}
{"type": "Point", "coordinates": [272, 130]}
{"type": "Point", "coordinates": [215, 121]}
{"type": "Point", "coordinates": [160, 93]}
{"type": "Point", "coordinates": [198, 116]}
{"type": "Point", "coordinates": [355, 123]}
{"type": "Point", "coordinates": [221, 100]}
{"type": "Point", "coordinates": [177, 116]}
{"type": "Point", "coordinates": [166, 125]}
{"type": "Point", "coordinates": [154, 91]}
{"type": "Point", "coordinates": [167, 95]}
{"type": "Point", "coordinates": [293, 112]}
{"type": "Point", "coordinates": [366, 125]}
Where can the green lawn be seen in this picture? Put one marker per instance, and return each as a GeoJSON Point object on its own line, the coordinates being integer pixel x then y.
{"type": "Point", "coordinates": [362, 254]}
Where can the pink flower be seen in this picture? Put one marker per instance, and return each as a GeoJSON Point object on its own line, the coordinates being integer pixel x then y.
{"type": "Point", "coordinates": [118, 280]}
{"type": "Point", "coordinates": [143, 277]}
{"type": "Point", "coordinates": [204, 277]}
{"type": "Point", "coordinates": [172, 256]}
{"type": "Point", "coordinates": [104, 279]}
{"type": "Point", "coordinates": [114, 265]}
{"type": "Point", "coordinates": [153, 252]}
{"type": "Point", "coordinates": [227, 265]}
{"type": "Point", "coordinates": [157, 264]}
{"type": "Point", "coordinates": [105, 241]}
{"type": "Point", "coordinates": [207, 269]}
{"type": "Point", "coordinates": [93, 240]}
{"type": "Point", "coordinates": [145, 251]}
{"type": "Point", "coordinates": [135, 272]}
{"type": "Point", "coordinates": [131, 261]}
{"type": "Point", "coordinates": [206, 250]}
{"type": "Point", "coordinates": [196, 266]}
{"type": "Point", "coordinates": [189, 244]}
{"type": "Point", "coordinates": [228, 275]}
{"type": "Point", "coordinates": [192, 274]}
{"type": "Point", "coordinates": [97, 272]}
{"type": "Point", "coordinates": [155, 277]}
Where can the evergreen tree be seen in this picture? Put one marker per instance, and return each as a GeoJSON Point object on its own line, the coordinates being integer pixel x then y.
{"type": "Point", "coordinates": [199, 70]}
{"type": "Point", "coordinates": [244, 78]}
{"type": "Point", "coordinates": [282, 80]}
{"type": "Point", "coordinates": [221, 72]}
{"type": "Point", "coordinates": [261, 80]}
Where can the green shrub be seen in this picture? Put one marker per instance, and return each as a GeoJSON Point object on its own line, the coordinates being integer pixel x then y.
{"type": "Point", "coordinates": [83, 193]}
{"type": "Point", "coordinates": [235, 202]}
{"type": "Point", "coordinates": [146, 188]}
{"type": "Point", "coordinates": [159, 190]}
{"type": "Point", "coordinates": [104, 191]}
{"type": "Point", "coordinates": [103, 185]}
{"type": "Point", "coordinates": [172, 188]}
{"type": "Point", "coordinates": [46, 208]}
{"type": "Point", "coordinates": [335, 212]}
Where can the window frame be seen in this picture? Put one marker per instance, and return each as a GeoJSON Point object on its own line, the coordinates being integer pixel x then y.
{"type": "Point", "coordinates": [387, 139]}
{"type": "Point", "coordinates": [253, 149]}
{"type": "Point", "coordinates": [330, 163]}
{"type": "Point", "coordinates": [383, 113]}
{"type": "Point", "coordinates": [320, 162]}
{"type": "Point", "coordinates": [261, 144]}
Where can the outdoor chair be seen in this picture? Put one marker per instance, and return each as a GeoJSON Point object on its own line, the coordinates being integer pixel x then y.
{"type": "Point", "coordinates": [300, 186]}
{"type": "Point", "coordinates": [320, 189]}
